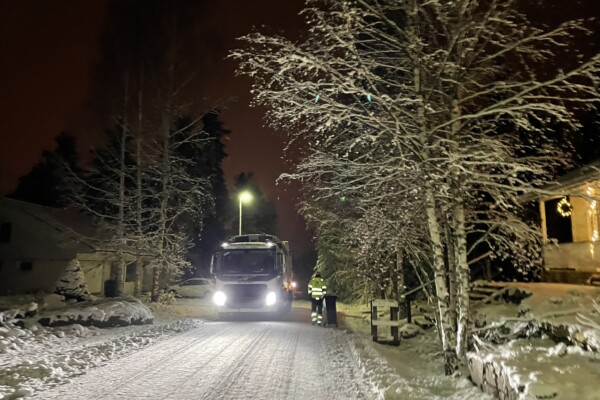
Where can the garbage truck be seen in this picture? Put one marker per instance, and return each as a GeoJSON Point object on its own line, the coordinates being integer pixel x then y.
{"type": "Point", "coordinates": [253, 274]}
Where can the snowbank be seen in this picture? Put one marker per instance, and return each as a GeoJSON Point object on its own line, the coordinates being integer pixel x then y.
{"type": "Point", "coordinates": [102, 314]}
{"type": "Point", "coordinates": [411, 371]}
{"type": "Point", "coordinates": [545, 346]}
{"type": "Point", "coordinates": [45, 340]}
{"type": "Point", "coordinates": [34, 358]}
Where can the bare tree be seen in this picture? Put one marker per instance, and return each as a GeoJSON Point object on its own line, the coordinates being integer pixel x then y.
{"type": "Point", "coordinates": [442, 101]}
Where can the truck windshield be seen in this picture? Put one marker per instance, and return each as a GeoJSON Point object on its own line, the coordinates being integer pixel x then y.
{"type": "Point", "coordinates": [237, 262]}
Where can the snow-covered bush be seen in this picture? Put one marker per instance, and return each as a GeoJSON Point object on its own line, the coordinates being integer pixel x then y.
{"type": "Point", "coordinates": [164, 298]}
{"type": "Point", "coordinates": [103, 314]}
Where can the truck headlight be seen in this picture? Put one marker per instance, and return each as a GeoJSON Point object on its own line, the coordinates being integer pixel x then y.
{"type": "Point", "coordinates": [219, 298]}
{"type": "Point", "coordinates": [271, 298]}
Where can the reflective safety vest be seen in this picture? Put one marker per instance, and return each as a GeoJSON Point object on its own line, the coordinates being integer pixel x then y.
{"type": "Point", "coordinates": [317, 288]}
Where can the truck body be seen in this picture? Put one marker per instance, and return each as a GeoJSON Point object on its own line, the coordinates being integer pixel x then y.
{"type": "Point", "coordinates": [253, 274]}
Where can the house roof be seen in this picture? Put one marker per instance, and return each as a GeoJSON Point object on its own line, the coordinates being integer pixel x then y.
{"type": "Point", "coordinates": [69, 221]}
{"type": "Point", "coordinates": [579, 176]}
{"type": "Point", "coordinates": [574, 179]}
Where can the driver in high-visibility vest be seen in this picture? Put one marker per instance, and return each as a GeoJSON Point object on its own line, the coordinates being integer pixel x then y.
{"type": "Point", "coordinates": [317, 290]}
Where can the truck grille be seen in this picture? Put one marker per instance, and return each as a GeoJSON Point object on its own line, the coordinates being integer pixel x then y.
{"type": "Point", "coordinates": [246, 296]}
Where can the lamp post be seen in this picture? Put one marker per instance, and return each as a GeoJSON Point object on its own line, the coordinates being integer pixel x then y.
{"type": "Point", "coordinates": [244, 197]}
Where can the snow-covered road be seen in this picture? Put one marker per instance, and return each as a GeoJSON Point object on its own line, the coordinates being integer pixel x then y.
{"type": "Point", "coordinates": [231, 360]}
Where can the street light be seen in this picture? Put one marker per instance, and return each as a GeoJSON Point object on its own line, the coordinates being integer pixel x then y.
{"type": "Point", "coordinates": [244, 197]}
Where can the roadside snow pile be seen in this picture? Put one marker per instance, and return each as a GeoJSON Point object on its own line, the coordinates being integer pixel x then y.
{"type": "Point", "coordinates": [414, 369]}
{"type": "Point", "coordinates": [411, 371]}
{"type": "Point", "coordinates": [19, 312]}
{"type": "Point", "coordinates": [36, 357]}
{"type": "Point", "coordinates": [545, 346]}
{"type": "Point", "coordinates": [102, 314]}
{"type": "Point", "coordinates": [54, 310]}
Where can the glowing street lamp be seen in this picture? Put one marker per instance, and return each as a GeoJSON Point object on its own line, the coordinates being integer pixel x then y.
{"type": "Point", "coordinates": [244, 197]}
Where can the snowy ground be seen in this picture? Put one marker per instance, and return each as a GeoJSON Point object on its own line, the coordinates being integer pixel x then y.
{"type": "Point", "coordinates": [547, 347]}
{"type": "Point", "coordinates": [411, 371]}
{"type": "Point", "coordinates": [548, 344]}
{"type": "Point", "coordinates": [204, 358]}
{"type": "Point", "coordinates": [34, 357]}
{"type": "Point", "coordinates": [231, 360]}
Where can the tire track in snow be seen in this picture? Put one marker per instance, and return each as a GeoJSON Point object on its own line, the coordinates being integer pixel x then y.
{"type": "Point", "coordinates": [178, 366]}
{"type": "Point", "coordinates": [226, 380]}
{"type": "Point", "coordinates": [258, 360]}
{"type": "Point", "coordinates": [168, 351]}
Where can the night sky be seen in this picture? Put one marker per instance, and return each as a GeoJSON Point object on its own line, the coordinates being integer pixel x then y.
{"type": "Point", "coordinates": [50, 52]}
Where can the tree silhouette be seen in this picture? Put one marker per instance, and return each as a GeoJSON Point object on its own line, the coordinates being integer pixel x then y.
{"type": "Point", "coordinates": [259, 215]}
{"type": "Point", "coordinates": [45, 183]}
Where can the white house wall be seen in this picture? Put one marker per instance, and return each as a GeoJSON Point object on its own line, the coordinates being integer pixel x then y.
{"type": "Point", "coordinates": [36, 242]}
{"type": "Point", "coordinates": [580, 220]}
{"type": "Point", "coordinates": [94, 275]}
{"type": "Point", "coordinates": [41, 278]}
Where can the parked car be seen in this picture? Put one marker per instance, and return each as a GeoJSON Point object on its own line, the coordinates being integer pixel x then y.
{"type": "Point", "coordinates": [193, 287]}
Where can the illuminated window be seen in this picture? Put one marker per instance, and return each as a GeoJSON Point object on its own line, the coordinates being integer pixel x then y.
{"type": "Point", "coordinates": [559, 227]}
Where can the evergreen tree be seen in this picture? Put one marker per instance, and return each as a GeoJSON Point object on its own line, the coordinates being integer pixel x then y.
{"type": "Point", "coordinates": [45, 183]}
{"type": "Point", "coordinates": [259, 216]}
{"type": "Point", "coordinates": [72, 283]}
{"type": "Point", "coordinates": [207, 235]}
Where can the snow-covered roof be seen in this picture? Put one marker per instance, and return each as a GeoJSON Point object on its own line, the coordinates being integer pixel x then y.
{"type": "Point", "coordinates": [69, 221]}
{"type": "Point", "coordinates": [577, 177]}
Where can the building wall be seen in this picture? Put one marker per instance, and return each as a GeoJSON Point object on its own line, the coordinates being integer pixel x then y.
{"type": "Point", "coordinates": [31, 241]}
{"type": "Point", "coordinates": [583, 253]}
{"type": "Point", "coordinates": [580, 220]}
{"type": "Point", "coordinates": [95, 272]}
{"type": "Point", "coordinates": [48, 250]}
{"type": "Point", "coordinates": [41, 278]}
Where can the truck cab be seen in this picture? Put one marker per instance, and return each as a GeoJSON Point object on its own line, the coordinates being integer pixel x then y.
{"type": "Point", "coordinates": [253, 273]}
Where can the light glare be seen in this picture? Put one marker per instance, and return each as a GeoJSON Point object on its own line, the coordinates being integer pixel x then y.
{"type": "Point", "coordinates": [271, 298]}
{"type": "Point", "coordinates": [245, 197]}
{"type": "Point", "coordinates": [219, 298]}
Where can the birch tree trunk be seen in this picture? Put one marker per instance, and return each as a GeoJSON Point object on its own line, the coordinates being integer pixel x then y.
{"type": "Point", "coordinates": [165, 172]}
{"type": "Point", "coordinates": [461, 271]}
{"type": "Point", "coordinates": [121, 229]}
{"type": "Point", "coordinates": [443, 317]}
{"type": "Point", "coordinates": [463, 278]}
{"type": "Point", "coordinates": [139, 192]}
{"type": "Point", "coordinates": [451, 262]}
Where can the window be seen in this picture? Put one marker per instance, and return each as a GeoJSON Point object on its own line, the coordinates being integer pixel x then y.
{"type": "Point", "coordinates": [559, 225]}
{"type": "Point", "coordinates": [248, 261]}
{"type": "Point", "coordinates": [26, 266]}
{"type": "Point", "coordinates": [130, 273]}
{"type": "Point", "coordinates": [5, 230]}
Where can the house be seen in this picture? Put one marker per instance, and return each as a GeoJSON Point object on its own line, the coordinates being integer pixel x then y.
{"type": "Point", "coordinates": [570, 227]}
{"type": "Point", "coordinates": [37, 243]}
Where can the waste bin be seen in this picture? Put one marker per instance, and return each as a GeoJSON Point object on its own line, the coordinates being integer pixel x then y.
{"type": "Point", "coordinates": [330, 310]}
{"type": "Point", "coordinates": [110, 288]}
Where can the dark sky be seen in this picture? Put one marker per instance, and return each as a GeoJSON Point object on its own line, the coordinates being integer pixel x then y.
{"type": "Point", "coordinates": [49, 55]}
{"type": "Point", "coordinates": [49, 58]}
